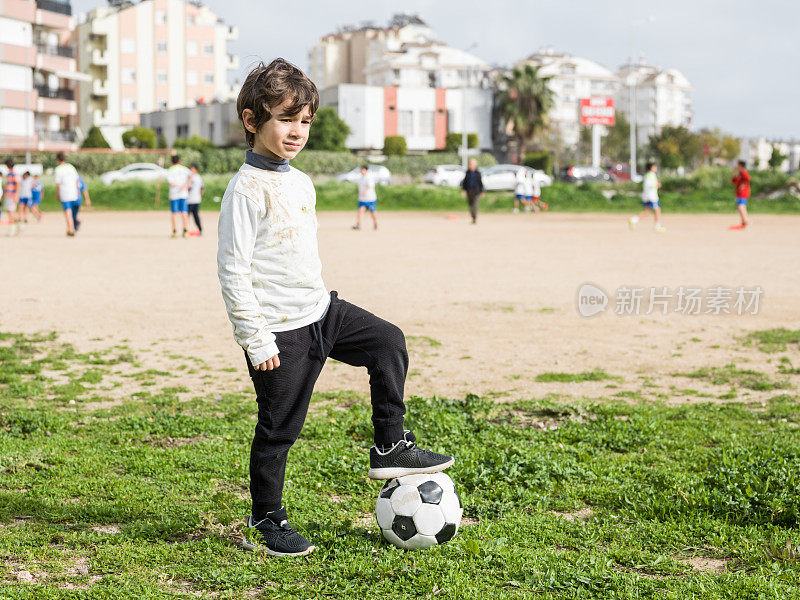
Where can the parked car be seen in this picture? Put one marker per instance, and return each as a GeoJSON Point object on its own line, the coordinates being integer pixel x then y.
{"type": "Point", "coordinates": [581, 173]}
{"type": "Point", "coordinates": [141, 171]}
{"type": "Point", "coordinates": [381, 174]}
{"type": "Point", "coordinates": [622, 172]}
{"type": "Point", "coordinates": [451, 175]}
{"type": "Point", "coordinates": [504, 177]}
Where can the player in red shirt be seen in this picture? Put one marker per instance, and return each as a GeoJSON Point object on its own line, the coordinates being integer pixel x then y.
{"type": "Point", "coordinates": [741, 181]}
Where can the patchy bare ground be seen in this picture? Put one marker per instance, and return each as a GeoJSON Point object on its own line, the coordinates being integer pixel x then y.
{"type": "Point", "coordinates": [486, 309]}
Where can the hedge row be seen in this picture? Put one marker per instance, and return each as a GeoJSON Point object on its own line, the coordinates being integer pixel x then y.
{"type": "Point", "coordinates": [228, 160]}
{"type": "Point", "coordinates": [334, 195]}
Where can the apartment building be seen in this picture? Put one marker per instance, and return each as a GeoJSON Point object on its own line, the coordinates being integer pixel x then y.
{"type": "Point", "coordinates": [571, 78]}
{"type": "Point", "coordinates": [149, 56]}
{"type": "Point", "coordinates": [654, 98]}
{"type": "Point", "coordinates": [38, 72]}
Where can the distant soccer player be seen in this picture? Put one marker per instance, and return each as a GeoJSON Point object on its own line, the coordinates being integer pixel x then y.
{"type": "Point", "coordinates": [83, 194]}
{"type": "Point", "coordinates": [741, 181]}
{"type": "Point", "coordinates": [178, 179]}
{"type": "Point", "coordinates": [195, 197]}
{"type": "Point", "coordinates": [24, 197]}
{"type": "Point", "coordinates": [472, 188]}
{"type": "Point", "coordinates": [37, 190]}
{"type": "Point", "coordinates": [650, 188]}
{"type": "Point", "coordinates": [10, 196]}
{"type": "Point", "coordinates": [367, 198]}
{"type": "Point", "coordinates": [67, 189]}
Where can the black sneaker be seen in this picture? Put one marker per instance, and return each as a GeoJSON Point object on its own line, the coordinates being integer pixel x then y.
{"type": "Point", "coordinates": [277, 536]}
{"type": "Point", "coordinates": [405, 458]}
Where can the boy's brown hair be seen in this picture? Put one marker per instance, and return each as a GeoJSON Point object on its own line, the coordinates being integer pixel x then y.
{"type": "Point", "coordinates": [269, 86]}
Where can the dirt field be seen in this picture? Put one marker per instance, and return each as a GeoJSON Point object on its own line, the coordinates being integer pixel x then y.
{"type": "Point", "coordinates": [486, 308]}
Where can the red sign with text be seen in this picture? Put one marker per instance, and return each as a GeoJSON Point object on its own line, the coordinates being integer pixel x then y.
{"type": "Point", "coordinates": [597, 111]}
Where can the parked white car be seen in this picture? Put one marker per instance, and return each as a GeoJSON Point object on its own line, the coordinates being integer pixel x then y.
{"type": "Point", "coordinates": [450, 175]}
{"type": "Point", "coordinates": [381, 174]}
{"type": "Point", "coordinates": [141, 171]}
{"type": "Point", "coordinates": [504, 177]}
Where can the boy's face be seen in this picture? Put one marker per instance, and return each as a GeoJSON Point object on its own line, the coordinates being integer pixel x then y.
{"type": "Point", "coordinates": [283, 136]}
{"type": "Point", "coordinates": [363, 171]}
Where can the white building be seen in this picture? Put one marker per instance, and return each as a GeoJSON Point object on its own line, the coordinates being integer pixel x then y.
{"type": "Point", "coordinates": [756, 152]}
{"type": "Point", "coordinates": [422, 115]}
{"type": "Point", "coordinates": [215, 121]}
{"type": "Point", "coordinates": [572, 78]}
{"type": "Point", "coordinates": [659, 97]}
{"type": "Point", "coordinates": [404, 53]}
{"type": "Point", "coordinates": [153, 55]}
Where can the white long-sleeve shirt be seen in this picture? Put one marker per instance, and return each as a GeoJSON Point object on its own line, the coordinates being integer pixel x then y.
{"type": "Point", "coordinates": [268, 259]}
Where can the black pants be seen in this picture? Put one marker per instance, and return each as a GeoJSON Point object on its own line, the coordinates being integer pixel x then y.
{"type": "Point", "coordinates": [473, 197]}
{"type": "Point", "coordinates": [194, 210]}
{"type": "Point", "coordinates": [348, 334]}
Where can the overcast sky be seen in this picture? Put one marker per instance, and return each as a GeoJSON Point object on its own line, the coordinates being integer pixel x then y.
{"type": "Point", "coordinates": [742, 57]}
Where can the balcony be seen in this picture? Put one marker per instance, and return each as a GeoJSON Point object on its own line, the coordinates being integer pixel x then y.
{"type": "Point", "coordinates": [232, 64]}
{"type": "Point", "coordinates": [64, 135]}
{"type": "Point", "coordinates": [231, 33]}
{"type": "Point", "coordinates": [65, 51]}
{"type": "Point", "coordinates": [55, 94]}
{"type": "Point", "coordinates": [100, 87]}
{"type": "Point", "coordinates": [99, 57]}
{"type": "Point", "coordinates": [57, 6]}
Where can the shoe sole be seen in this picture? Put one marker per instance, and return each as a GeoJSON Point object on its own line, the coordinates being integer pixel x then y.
{"type": "Point", "coordinates": [253, 547]}
{"type": "Point", "coordinates": [395, 472]}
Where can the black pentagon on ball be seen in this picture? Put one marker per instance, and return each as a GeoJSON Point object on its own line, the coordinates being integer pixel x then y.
{"type": "Point", "coordinates": [388, 488]}
{"type": "Point", "coordinates": [430, 492]}
{"type": "Point", "coordinates": [404, 528]}
{"type": "Point", "coordinates": [446, 533]}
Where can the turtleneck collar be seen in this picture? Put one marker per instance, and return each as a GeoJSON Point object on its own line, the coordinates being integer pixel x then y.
{"type": "Point", "coordinates": [259, 161]}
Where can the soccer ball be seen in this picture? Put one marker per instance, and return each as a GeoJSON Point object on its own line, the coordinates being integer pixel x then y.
{"type": "Point", "coordinates": [419, 511]}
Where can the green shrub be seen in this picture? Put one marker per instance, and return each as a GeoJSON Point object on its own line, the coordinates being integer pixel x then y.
{"type": "Point", "coordinates": [417, 165]}
{"type": "Point", "coordinates": [139, 137]}
{"type": "Point", "coordinates": [328, 132]}
{"type": "Point", "coordinates": [542, 161]}
{"type": "Point", "coordinates": [195, 142]}
{"type": "Point", "coordinates": [394, 145]}
{"type": "Point", "coordinates": [161, 142]}
{"type": "Point", "coordinates": [453, 141]}
{"type": "Point", "coordinates": [95, 139]}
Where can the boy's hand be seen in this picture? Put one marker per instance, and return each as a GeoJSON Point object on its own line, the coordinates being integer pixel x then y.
{"type": "Point", "coordinates": [268, 365]}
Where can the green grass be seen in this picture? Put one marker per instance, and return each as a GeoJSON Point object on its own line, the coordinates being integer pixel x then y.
{"type": "Point", "coordinates": [594, 375]}
{"type": "Point", "coordinates": [742, 378]}
{"type": "Point", "coordinates": [568, 500]}
{"type": "Point", "coordinates": [334, 195]}
{"type": "Point", "coordinates": [774, 340]}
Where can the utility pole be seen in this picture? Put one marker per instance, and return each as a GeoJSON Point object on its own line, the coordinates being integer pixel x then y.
{"type": "Point", "coordinates": [464, 155]}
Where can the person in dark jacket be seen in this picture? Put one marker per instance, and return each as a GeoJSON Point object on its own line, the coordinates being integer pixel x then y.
{"type": "Point", "coordinates": [472, 188]}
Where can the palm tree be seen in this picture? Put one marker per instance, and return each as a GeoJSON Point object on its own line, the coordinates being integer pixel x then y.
{"type": "Point", "coordinates": [525, 99]}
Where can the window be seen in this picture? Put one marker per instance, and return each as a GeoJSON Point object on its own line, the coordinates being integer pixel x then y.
{"type": "Point", "coordinates": [191, 48]}
{"type": "Point", "coordinates": [426, 122]}
{"type": "Point", "coordinates": [161, 76]}
{"type": "Point", "coordinates": [190, 20]}
{"type": "Point", "coordinates": [191, 77]}
{"type": "Point", "coordinates": [568, 69]}
{"type": "Point", "coordinates": [405, 123]}
{"type": "Point", "coordinates": [208, 77]}
{"type": "Point", "coordinates": [128, 105]}
{"type": "Point", "coordinates": [128, 46]}
{"type": "Point", "coordinates": [161, 46]}
{"type": "Point", "coordinates": [208, 48]}
{"type": "Point", "coordinates": [128, 75]}
{"type": "Point", "coordinates": [162, 105]}
{"type": "Point", "coordinates": [161, 17]}
{"type": "Point", "coordinates": [211, 131]}
{"type": "Point", "coordinates": [182, 131]}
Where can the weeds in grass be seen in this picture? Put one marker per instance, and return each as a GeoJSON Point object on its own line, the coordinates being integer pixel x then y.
{"type": "Point", "coordinates": [774, 340]}
{"type": "Point", "coordinates": [594, 375]}
{"type": "Point", "coordinates": [739, 378]}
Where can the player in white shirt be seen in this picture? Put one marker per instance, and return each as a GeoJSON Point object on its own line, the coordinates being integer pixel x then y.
{"type": "Point", "coordinates": [367, 198]}
{"type": "Point", "coordinates": [195, 197]}
{"type": "Point", "coordinates": [178, 179]}
{"type": "Point", "coordinates": [650, 187]}
{"type": "Point", "coordinates": [67, 189]}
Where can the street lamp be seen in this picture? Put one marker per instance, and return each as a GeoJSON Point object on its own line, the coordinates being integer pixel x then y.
{"type": "Point", "coordinates": [464, 157]}
{"type": "Point", "coordinates": [632, 94]}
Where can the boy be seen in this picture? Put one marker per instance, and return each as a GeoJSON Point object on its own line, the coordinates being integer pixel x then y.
{"type": "Point", "coordinates": [36, 197]}
{"type": "Point", "coordinates": [195, 197]}
{"type": "Point", "coordinates": [178, 179]}
{"type": "Point", "coordinates": [10, 195]}
{"type": "Point", "coordinates": [283, 316]}
{"type": "Point", "coordinates": [367, 198]}
{"type": "Point", "coordinates": [24, 198]}
{"type": "Point", "coordinates": [650, 187]}
{"type": "Point", "coordinates": [741, 183]}
{"type": "Point", "coordinates": [67, 190]}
